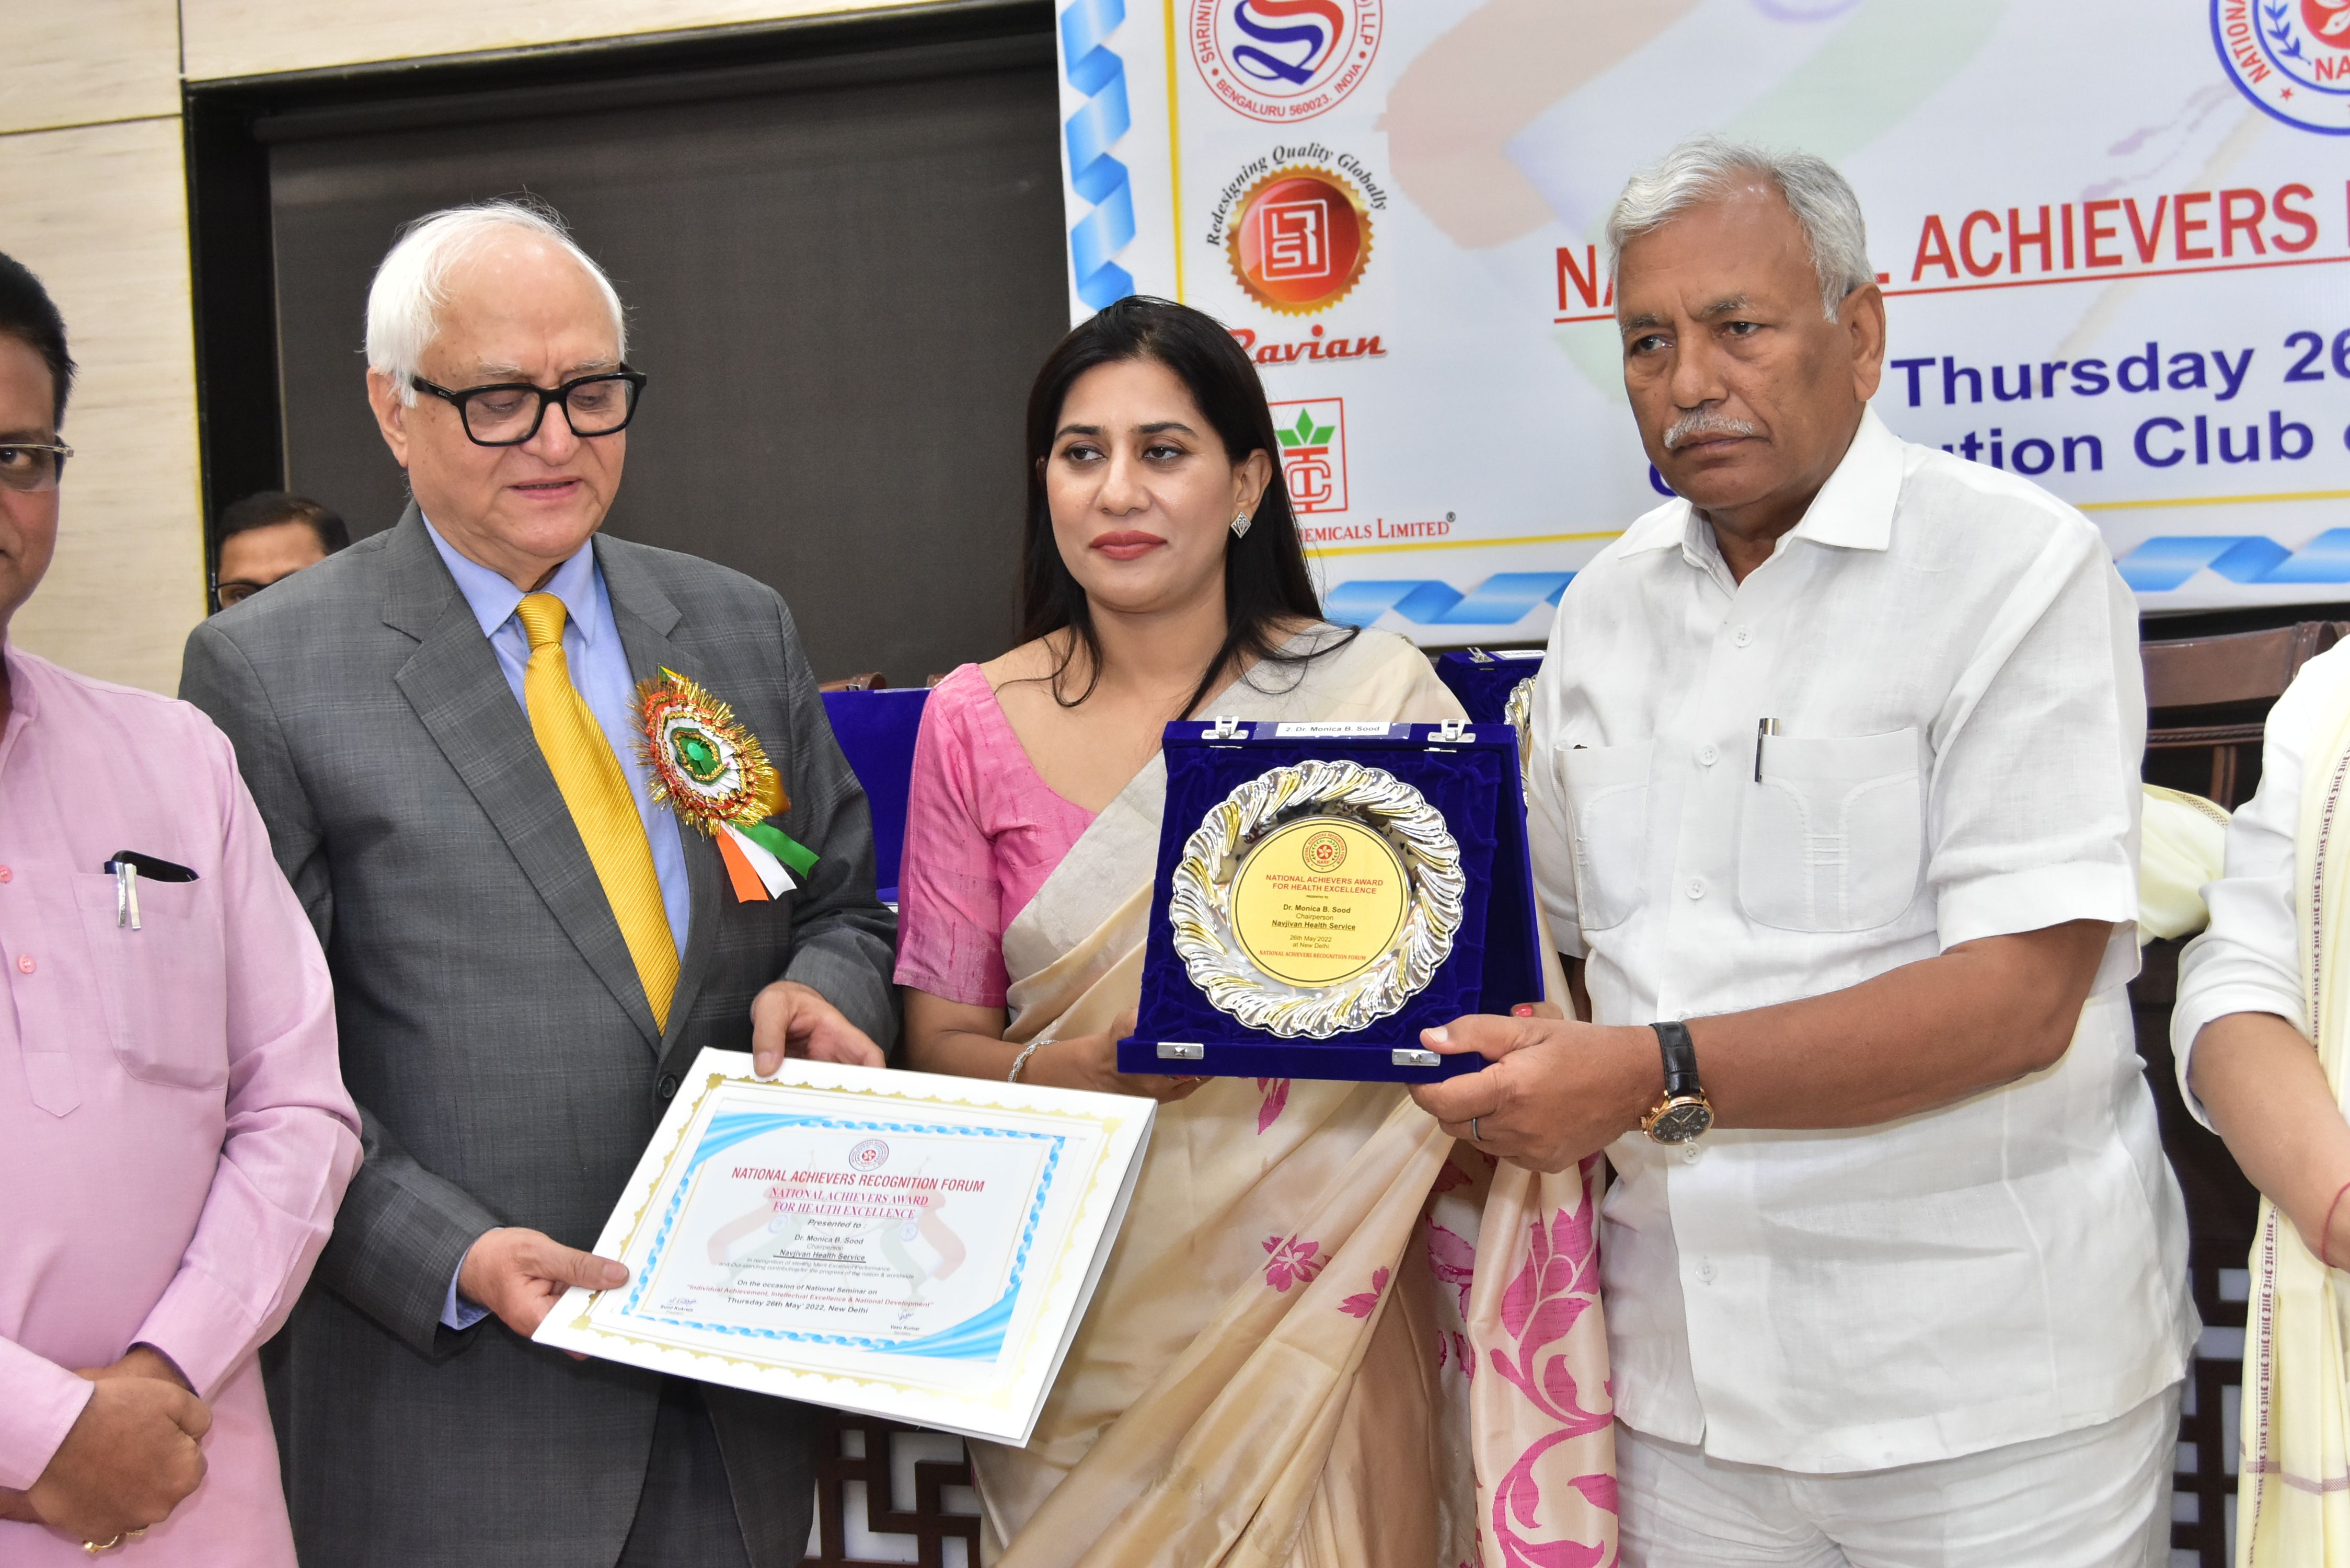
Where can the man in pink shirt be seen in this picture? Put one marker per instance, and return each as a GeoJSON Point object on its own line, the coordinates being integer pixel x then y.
{"type": "Point", "coordinates": [174, 1135]}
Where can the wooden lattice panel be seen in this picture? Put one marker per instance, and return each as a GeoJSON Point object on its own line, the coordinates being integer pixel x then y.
{"type": "Point", "coordinates": [858, 1490]}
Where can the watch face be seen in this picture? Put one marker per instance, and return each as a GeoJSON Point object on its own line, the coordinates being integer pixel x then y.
{"type": "Point", "coordinates": [1680, 1123]}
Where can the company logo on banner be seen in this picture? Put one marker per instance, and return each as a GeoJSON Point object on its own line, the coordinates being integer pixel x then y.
{"type": "Point", "coordinates": [2290, 56]}
{"type": "Point", "coordinates": [1283, 61]}
{"type": "Point", "coordinates": [1313, 454]}
{"type": "Point", "coordinates": [1300, 239]}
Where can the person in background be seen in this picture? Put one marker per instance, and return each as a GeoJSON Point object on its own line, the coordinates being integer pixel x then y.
{"type": "Point", "coordinates": [1832, 797]}
{"type": "Point", "coordinates": [529, 950]}
{"type": "Point", "coordinates": [269, 536]}
{"type": "Point", "coordinates": [1275, 1366]}
{"type": "Point", "coordinates": [174, 1130]}
{"type": "Point", "coordinates": [2259, 1032]}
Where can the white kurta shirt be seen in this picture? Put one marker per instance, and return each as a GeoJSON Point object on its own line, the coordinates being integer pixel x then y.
{"type": "Point", "coordinates": [1953, 662]}
{"type": "Point", "coordinates": [2248, 959]}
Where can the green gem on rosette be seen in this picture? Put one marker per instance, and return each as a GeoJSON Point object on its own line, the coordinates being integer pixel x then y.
{"type": "Point", "coordinates": [702, 761]}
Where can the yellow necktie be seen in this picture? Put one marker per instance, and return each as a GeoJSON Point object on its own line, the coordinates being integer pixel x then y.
{"type": "Point", "coordinates": [602, 806]}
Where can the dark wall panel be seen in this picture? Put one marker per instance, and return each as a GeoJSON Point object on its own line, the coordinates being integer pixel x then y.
{"type": "Point", "coordinates": [839, 293]}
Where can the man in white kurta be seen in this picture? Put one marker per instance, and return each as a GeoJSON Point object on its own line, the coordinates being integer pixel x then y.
{"type": "Point", "coordinates": [1851, 791]}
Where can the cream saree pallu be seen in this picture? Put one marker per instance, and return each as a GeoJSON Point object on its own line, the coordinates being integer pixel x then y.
{"type": "Point", "coordinates": [1328, 1337]}
{"type": "Point", "coordinates": [2293, 1505]}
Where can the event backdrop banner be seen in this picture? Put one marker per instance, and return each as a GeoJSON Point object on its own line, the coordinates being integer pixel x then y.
{"type": "Point", "coordinates": [2112, 238]}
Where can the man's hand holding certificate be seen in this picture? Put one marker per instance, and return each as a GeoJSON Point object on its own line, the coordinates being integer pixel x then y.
{"type": "Point", "coordinates": [902, 1244]}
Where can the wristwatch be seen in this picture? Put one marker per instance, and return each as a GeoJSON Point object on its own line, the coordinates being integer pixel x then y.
{"type": "Point", "coordinates": [1683, 1115]}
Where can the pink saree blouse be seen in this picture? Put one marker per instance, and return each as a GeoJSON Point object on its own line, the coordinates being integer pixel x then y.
{"type": "Point", "coordinates": [982, 832]}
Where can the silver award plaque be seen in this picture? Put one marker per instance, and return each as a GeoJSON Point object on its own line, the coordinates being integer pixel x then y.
{"type": "Point", "coordinates": [1317, 898]}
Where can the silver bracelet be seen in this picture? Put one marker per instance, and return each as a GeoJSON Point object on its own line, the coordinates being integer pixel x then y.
{"type": "Point", "coordinates": [1022, 1061]}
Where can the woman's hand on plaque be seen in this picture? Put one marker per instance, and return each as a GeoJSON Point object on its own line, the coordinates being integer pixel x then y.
{"type": "Point", "coordinates": [1090, 1062]}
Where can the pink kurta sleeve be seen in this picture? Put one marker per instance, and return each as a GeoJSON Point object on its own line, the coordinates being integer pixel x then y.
{"type": "Point", "coordinates": [293, 1133]}
{"type": "Point", "coordinates": [39, 1403]}
{"type": "Point", "coordinates": [950, 903]}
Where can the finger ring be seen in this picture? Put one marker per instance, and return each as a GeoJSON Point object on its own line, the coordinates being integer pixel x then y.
{"type": "Point", "coordinates": [95, 1547]}
{"type": "Point", "coordinates": [138, 1534]}
{"type": "Point", "coordinates": [1472, 1131]}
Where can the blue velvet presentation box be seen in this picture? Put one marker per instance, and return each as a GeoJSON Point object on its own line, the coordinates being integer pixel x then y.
{"type": "Point", "coordinates": [1483, 678]}
{"type": "Point", "coordinates": [1471, 776]}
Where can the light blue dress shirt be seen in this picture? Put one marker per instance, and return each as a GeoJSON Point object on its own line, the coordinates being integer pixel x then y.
{"type": "Point", "coordinates": [599, 670]}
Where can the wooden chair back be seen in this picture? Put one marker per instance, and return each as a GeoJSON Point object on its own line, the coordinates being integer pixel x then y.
{"type": "Point", "coordinates": [2211, 694]}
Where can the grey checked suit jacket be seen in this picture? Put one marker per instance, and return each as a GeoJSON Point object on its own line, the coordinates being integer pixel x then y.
{"type": "Point", "coordinates": [498, 1041]}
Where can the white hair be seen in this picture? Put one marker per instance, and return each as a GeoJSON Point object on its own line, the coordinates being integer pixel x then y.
{"type": "Point", "coordinates": [404, 303]}
{"type": "Point", "coordinates": [1706, 168]}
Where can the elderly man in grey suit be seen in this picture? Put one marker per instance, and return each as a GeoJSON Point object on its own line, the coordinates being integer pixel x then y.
{"type": "Point", "coordinates": [439, 725]}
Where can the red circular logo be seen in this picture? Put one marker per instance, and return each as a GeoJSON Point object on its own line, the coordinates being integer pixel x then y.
{"type": "Point", "coordinates": [870, 1154]}
{"type": "Point", "coordinates": [1299, 239]}
{"type": "Point", "coordinates": [1283, 61]}
{"type": "Point", "coordinates": [1325, 852]}
{"type": "Point", "coordinates": [2328, 21]}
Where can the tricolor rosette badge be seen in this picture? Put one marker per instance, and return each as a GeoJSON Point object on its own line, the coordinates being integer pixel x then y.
{"type": "Point", "coordinates": [713, 773]}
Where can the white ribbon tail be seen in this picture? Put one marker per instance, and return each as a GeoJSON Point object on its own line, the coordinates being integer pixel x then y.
{"type": "Point", "coordinates": [772, 871]}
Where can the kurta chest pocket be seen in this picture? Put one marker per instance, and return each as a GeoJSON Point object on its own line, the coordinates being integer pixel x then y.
{"type": "Point", "coordinates": [1606, 790]}
{"type": "Point", "coordinates": [162, 985]}
{"type": "Point", "coordinates": [1833, 838]}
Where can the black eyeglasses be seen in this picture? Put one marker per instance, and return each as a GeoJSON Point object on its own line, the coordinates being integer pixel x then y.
{"type": "Point", "coordinates": [508, 413]}
{"type": "Point", "coordinates": [233, 591]}
{"type": "Point", "coordinates": [32, 466]}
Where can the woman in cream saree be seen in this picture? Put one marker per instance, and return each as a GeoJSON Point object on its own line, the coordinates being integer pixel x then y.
{"type": "Point", "coordinates": [2261, 1032]}
{"type": "Point", "coordinates": [1328, 1336]}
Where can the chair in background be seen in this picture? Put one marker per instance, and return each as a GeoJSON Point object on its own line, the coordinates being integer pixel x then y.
{"type": "Point", "coordinates": [2209, 695]}
{"type": "Point", "coordinates": [2207, 698]}
{"type": "Point", "coordinates": [871, 680]}
{"type": "Point", "coordinates": [876, 729]}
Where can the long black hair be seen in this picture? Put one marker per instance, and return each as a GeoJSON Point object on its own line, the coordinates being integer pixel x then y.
{"type": "Point", "coordinates": [1266, 579]}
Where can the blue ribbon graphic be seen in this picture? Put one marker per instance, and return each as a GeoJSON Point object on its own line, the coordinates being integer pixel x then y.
{"type": "Point", "coordinates": [1502, 599]}
{"type": "Point", "coordinates": [2158, 565]}
{"type": "Point", "coordinates": [1097, 237]}
{"type": "Point", "coordinates": [2162, 564]}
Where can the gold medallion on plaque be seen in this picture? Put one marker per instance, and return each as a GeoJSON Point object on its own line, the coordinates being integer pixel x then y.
{"type": "Point", "coordinates": [1319, 900]}
{"type": "Point", "coordinates": [1315, 899]}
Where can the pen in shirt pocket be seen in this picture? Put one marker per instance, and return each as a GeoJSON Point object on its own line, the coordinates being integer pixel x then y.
{"type": "Point", "coordinates": [1763, 727]}
{"type": "Point", "coordinates": [127, 866]}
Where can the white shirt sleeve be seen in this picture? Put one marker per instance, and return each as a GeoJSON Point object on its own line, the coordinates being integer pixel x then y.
{"type": "Point", "coordinates": [2248, 960]}
{"type": "Point", "coordinates": [1550, 833]}
{"type": "Point", "coordinates": [2033, 813]}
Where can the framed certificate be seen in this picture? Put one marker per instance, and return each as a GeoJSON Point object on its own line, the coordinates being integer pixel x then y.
{"type": "Point", "coordinates": [1326, 891]}
{"type": "Point", "coordinates": [901, 1244]}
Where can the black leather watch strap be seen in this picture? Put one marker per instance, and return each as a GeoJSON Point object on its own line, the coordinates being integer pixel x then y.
{"type": "Point", "coordinates": [1681, 1061]}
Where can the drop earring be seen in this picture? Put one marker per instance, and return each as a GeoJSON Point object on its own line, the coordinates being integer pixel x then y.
{"type": "Point", "coordinates": [1240, 525]}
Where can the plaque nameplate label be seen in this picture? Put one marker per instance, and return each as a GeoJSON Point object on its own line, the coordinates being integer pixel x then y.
{"type": "Point", "coordinates": [1334, 730]}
